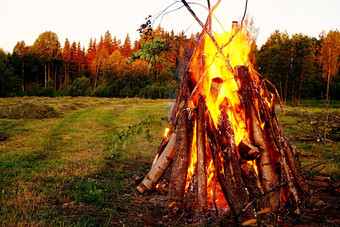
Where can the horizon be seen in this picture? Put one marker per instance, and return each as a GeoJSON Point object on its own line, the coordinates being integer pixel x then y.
{"type": "Point", "coordinates": [82, 21]}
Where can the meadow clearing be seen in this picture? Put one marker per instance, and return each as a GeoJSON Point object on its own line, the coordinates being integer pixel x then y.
{"type": "Point", "coordinates": [62, 164]}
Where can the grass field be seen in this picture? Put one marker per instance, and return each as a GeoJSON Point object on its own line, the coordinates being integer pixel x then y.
{"type": "Point", "coordinates": [58, 165]}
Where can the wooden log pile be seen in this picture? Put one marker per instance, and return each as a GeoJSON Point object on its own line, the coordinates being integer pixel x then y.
{"type": "Point", "coordinates": [276, 184]}
{"type": "Point", "coordinates": [258, 172]}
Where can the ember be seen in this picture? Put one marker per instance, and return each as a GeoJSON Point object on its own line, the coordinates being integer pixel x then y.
{"type": "Point", "coordinates": [227, 148]}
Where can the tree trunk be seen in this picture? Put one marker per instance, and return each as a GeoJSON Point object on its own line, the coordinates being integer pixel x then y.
{"type": "Point", "coordinates": [45, 74]}
{"type": "Point", "coordinates": [286, 89]}
{"type": "Point", "coordinates": [49, 71]}
{"type": "Point", "coordinates": [328, 83]}
{"type": "Point", "coordinates": [23, 75]}
{"type": "Point", "coordinates": [55, 78]}
{"type": "Point", "coordinates": [300, 86]}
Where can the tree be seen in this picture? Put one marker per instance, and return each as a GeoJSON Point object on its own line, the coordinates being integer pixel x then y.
{"type": "Point", "coordinates": [108, 42]}
{"type": "Point", "coordinates": [155, 53]}
{"type": "Point", "coordinates": [303, 58]}
{"type": "Point", "coordinates": [116, 44]}
{"type": "Point", "coordinates": [21, 50]}
{"type": "Point", "coordinates": [8, 81]}
{"type": "Point", "coordinates": [74, 57]}
{"type": "Point", "coordinates": [47, 47]}
{"type": "Point", "coordinates": [127, 48]}
{"type": "Point", "coordinates": [94, 65]}
{"type": "Point", "coordinates": [66, 56]}
{"type": "Point", "coordinates": [328, 57]}
{"type": "Point", "coordinates": [274, 61]}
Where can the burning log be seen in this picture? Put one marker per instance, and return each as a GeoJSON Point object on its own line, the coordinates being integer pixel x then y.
{"type": "Point", "coordinates": [181, 158]}
{"type": "Point", "coordinates": [248, 151]}
{"type": "Point", "coordinates": [201, 156]}
{"type": "Point", "coordinates": [268, 179]}
{"type": "Point", "coordinates": [237, 195]}
{"type": "Point", "coordinates": [251, 181]}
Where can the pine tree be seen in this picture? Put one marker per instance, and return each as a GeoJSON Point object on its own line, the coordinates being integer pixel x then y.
{"type": "Point", "coordinates": [116, 43]}
{"type": "Point", "coordinates": [66, 56]}
{"type": "Point", "coordinates": [108, 42]}
{"type": "Point", "coordinates": [126, 48]}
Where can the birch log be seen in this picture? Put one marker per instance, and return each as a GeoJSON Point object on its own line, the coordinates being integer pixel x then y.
{"type": "Point", "coordinates": [158, 169]}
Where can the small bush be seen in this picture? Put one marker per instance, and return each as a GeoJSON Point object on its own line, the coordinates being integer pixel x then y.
{"type": "Point", "coordinates": [80, 87]}
{"type": "Point", "coordinates": [89, 192]}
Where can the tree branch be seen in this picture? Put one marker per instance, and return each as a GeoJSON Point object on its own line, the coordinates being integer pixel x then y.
{"type": "Point", "coordinates": [211, 37]}
{"type": "Point", "coordinates": [244, 14]}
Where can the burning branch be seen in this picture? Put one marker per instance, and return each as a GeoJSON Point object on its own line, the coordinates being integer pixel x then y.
{"type": "Point", "coordinates": [211, 37]}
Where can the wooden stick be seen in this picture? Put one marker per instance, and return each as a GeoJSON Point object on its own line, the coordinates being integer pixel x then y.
{"type": "Point", "coordinates": [201, 160]}
{"type": "Point", "coordinates": [181, 157]}
{"type": "Point", "coordinates": [158, 169]}
{"type": "Point", "coordinates": [291, 186]}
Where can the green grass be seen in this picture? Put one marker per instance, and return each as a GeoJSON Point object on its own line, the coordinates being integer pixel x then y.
{"type": "Point", "coordinates": [64, 171]}
{"type": "Point", "coordinates": [334, 104]}
{"type": "Point", "coordinates": [58, 170]}
{"type": "Point", "coordinates": [296, 124]}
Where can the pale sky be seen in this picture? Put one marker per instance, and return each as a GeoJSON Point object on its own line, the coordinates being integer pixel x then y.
{"type": "Point", "coordinates": [80, 20]}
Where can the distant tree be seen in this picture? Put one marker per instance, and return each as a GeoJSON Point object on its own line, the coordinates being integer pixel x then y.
{"type": "Point", "coordinates": [116, 44]}
{"type": "Point", "coordinates": [136, 46]}
{"type": "Point", "coordinates": [127, 48]}
{"type": "Point", "coordinates": [155, 53]}
{"type": "Point", "coordinates": [80, 60]}
{"type": "Point", "coordinates": [108, 43]}
{"type": "Point", "coordinates": [74, 56]}
{"type": "Point", "coordinates": [274, 61]}
{"type": "Point", "coordinates": [328, 56]}
{"type": "Point", "coordinates": [95, 64]}
{"type": "Point", "coordinates": [303, 58]}
{"type": "Point", "coordinates": [21, 50]}
{"type": "Point", "coordinates": [111, 66]}
{"type": "Point", "coordinates": [91, 54]}
{"type": "Point", "coordinates": [8, 81]}
{"type": "Point", "coordinates": [47, 47]}
{"type": "Point", "coordinates": [66, 56]}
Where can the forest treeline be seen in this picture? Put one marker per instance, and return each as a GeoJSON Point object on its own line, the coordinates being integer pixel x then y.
{"type": "Point", "coordinates": [151, 67]}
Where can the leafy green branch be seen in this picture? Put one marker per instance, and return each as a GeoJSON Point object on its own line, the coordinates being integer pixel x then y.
{"type": "Point", "coordinates": [124, 138]}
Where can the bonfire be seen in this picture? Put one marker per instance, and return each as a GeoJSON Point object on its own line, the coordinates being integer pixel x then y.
{"type": "Point", "coordinates": [224, 149]}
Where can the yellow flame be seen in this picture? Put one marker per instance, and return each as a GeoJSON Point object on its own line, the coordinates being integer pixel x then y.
{"type": "Point", "coordinates": [193, 160]}
{"type": "Point", "coordinates": [166, 132]}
